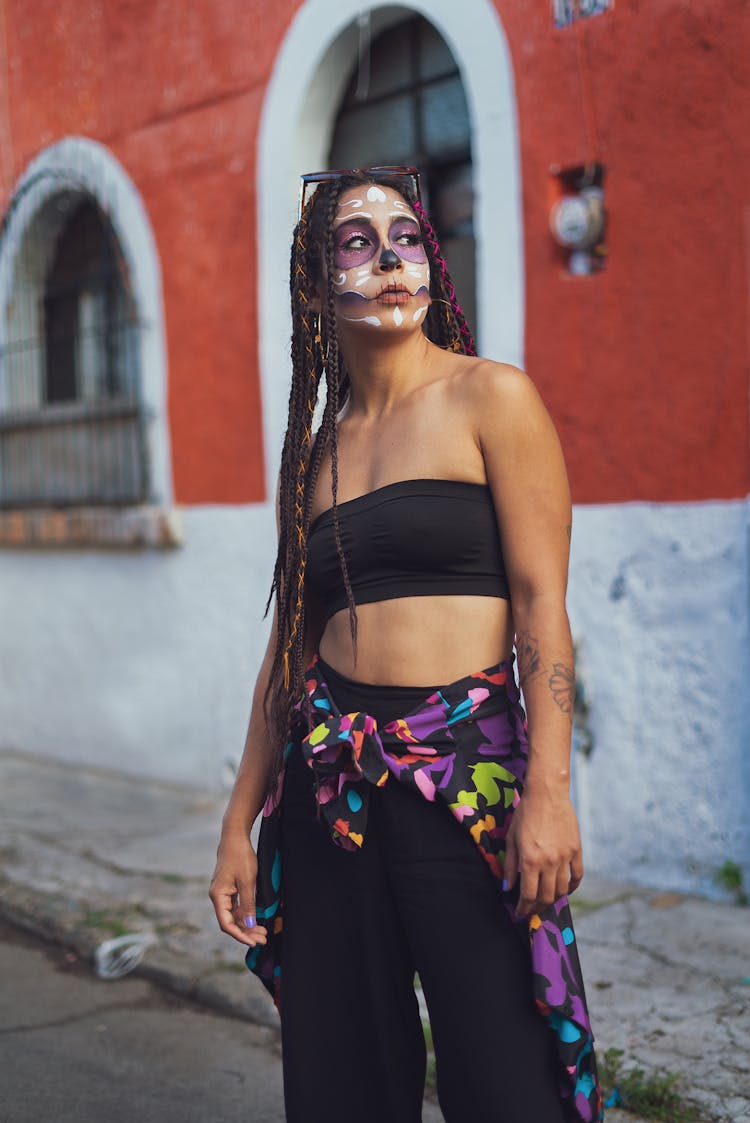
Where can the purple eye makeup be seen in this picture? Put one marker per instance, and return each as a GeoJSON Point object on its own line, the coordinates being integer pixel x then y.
{"type": "Point", "coordinates": [406, 240]}
{"type": "Point", "coordinates": [357, 243]}
{"type": "Point", "coordinates": [354, 244]}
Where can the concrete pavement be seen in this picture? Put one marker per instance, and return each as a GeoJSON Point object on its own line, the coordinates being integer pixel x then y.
{"type": "Point", "coordinates": [76, 1049]}
{"type": "Point", "coordinates": [87, 854]}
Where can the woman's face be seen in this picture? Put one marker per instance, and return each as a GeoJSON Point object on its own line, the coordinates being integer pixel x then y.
{"type": "Point", "coordinates": [381, 275]}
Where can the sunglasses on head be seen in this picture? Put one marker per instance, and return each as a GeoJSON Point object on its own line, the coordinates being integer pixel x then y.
{"type": "Point", "coordinates": [395, 170]}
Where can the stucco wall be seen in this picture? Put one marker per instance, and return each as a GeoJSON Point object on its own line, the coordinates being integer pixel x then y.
{"type": "Point", "coordinates": [174, 92]}
{"type": "Point", "coordinates": [659, 602]}
{"type": "Point", "coordinates": [143, 660]}
{"type": "Point", "coordinates": [643, 366]}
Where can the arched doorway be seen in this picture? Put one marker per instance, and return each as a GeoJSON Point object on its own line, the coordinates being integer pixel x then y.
{"type": "Point", "coordinates": [310, 78]}
{"type": "Point", "coordinates": [405, 104]}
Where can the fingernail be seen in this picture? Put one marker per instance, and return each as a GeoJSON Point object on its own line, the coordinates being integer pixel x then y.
{"type": "Point", "coordinates": [249, 921]}
{"type": "Point", "coordinates": [505, 886]}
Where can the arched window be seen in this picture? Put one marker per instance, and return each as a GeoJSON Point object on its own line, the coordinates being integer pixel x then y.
{"type": "Point", "coordinates": [405, 104]}
{"type": "Point", "coordinates": [71, 419]}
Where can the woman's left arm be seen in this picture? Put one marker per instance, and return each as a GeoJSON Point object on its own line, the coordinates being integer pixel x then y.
{"type": "Point", "coordinates": [526, 472]}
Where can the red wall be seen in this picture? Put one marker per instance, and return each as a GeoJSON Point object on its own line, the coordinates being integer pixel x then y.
{"type": "Point", "coordinates": [175, 91]}
{"type": "Point", "coordinates": [644, 366]}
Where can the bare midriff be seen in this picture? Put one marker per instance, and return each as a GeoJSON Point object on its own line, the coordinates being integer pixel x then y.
{"type": "Point", "coordinates": [420, 641]}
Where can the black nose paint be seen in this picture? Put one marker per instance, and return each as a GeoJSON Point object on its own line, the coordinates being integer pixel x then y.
{"type": "Point", "coordinates": [388, 259]}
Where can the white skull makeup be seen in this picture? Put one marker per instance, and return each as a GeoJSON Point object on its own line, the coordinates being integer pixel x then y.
{"type": "Point", "coordinates": [382, 276]}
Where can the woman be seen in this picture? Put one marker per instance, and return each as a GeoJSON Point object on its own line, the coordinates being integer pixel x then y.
{"type": "Point", "coordinates": [410, 828]}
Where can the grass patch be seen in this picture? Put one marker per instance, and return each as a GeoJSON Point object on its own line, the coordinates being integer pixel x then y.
{"type": "Point", "coordinates": [582, 905]}
{"type": "Point", "coordinates": [177, 930]}
{"type": "Point", "coordinates": [729, 877]}
{"type": "Point", "coordinates": [108, 921]}
{"type": "Point", "coordinates": [654, 1095]}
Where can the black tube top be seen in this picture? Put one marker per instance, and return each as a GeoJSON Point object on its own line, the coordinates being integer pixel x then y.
{"type": "Point", "coordinates": [414, 538]}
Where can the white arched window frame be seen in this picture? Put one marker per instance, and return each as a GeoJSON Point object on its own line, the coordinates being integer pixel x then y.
{"type": "Point", "coordinates": [405, 104]}
{"type": "Point", "coordinates": [308, 81]}
{"type": "Point", "coordinates": [82, 166]}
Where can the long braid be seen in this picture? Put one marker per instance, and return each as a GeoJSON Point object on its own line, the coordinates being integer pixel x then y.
{"type": "Point", "coordinates": [312, 257]}
{"type": "Point", "coordinates": [455, 333]}
{"type": "Point", "coordinates": [291, 559]}
{"type": "Point", "coordinates": [299, 499]}
{"type": "Point", "coordinates": [295, 645]}
{"type": "Point", "coordinates": [333, 389]}
{"type": "Point", "coordinates": [315, 351]}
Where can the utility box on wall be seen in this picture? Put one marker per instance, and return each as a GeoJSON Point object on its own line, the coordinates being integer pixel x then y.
{"type": "Point", "coordinates": [577, 217]}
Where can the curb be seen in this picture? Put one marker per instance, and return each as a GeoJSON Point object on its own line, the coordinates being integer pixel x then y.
{"type": "Point", "coordinates": [215, 988]}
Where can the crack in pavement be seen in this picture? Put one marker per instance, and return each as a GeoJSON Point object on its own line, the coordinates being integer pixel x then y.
{"type": "Point", "coordinates": [109, 865]}
{"type": "Point", "coordinates": [660, 957]}
{"type": "Point", "coordinates": [71, 1019]}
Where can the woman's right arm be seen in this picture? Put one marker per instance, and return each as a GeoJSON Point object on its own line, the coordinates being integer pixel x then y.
{"type": "Point", "coordinates": [232, 888]}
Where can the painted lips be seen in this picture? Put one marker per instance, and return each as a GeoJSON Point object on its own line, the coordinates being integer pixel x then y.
{"type": "Point", "coordinates": [394, 294]}
{"type": "Point", "coordinates": [353, 304]}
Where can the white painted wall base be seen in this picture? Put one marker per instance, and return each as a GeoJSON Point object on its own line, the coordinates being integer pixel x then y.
{"type": "Point", "coordinates": [145, 661]}
{"type": "Point", "coordinates": [659, 605]}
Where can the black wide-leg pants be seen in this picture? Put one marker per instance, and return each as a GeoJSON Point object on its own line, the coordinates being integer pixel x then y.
{"type": "Point", "coordinates": [358, 924]}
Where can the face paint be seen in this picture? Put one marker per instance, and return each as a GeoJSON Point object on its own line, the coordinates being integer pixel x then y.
{"type": "Point", "coordinates": [406, 239]}
{"type": "Point", "coordinates": [371, 287]}
{"type": "Point", "coordinates": [354, 243]}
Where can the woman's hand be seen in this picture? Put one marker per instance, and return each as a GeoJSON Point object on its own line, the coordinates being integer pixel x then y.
{"type": "Point", "coordinates": [544, 846]}
{"type": "Point", "coordinates": [232, 890]}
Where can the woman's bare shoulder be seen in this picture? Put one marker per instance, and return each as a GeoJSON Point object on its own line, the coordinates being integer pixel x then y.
{"type": "Point", "coordinates": [490, 388]}
{"type": "Point", "coordinates": [486, 376]}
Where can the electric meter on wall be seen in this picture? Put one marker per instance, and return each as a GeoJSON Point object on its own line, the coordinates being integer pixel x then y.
{"type": "Point", "coordinates": [576, 221]}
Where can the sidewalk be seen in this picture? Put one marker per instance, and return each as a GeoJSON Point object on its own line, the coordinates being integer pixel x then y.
{"type": "Point", "coordinates": [87, 854]}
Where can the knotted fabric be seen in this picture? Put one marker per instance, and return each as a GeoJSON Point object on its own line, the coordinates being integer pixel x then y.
{"type": "Point", "coordinates": [348, 753]}
{"type": "Point", "coordinates": [464, 745]}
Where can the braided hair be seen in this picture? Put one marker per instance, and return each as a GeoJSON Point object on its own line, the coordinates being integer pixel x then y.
{"type": "Point", "coordinates": [315, 353]}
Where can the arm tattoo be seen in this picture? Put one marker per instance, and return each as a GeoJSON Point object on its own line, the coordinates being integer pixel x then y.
{"type": "Point", "coordinates": [562, 683]}
{"type": "Point", "coordinates": [529, 660]}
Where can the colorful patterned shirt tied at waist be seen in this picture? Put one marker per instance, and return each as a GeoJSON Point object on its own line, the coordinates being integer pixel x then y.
{"type": "Point", "coordinates": [433, 751]}
{"type": "Point", "coordinates": [465, 745]}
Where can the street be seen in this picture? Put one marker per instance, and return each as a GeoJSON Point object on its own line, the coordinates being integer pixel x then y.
{"type": "Point", "coordinates": [77, 1050]}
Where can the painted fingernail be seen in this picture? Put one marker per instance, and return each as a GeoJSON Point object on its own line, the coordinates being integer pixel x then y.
{"type": "Point", "coordinates": [505, 886]}
{"type": "Point", "coordinates": [249, 921]}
